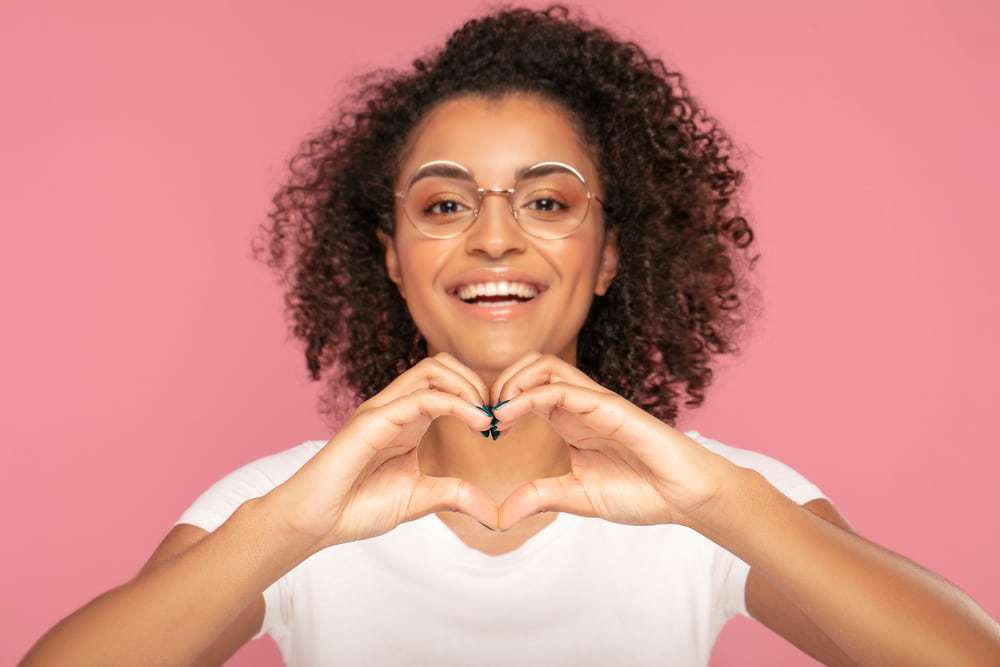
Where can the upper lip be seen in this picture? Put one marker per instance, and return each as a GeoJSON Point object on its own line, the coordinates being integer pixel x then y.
{"type": "Point", "coordinates": [495, 275]}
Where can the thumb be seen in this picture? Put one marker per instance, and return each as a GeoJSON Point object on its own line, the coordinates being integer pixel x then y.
{"type": "Point", "coordinates": [452, 494]}
{"type": "Point", "coordinates": [548, 494]}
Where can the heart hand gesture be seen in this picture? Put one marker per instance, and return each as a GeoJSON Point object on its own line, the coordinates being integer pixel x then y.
{"type": "Point", "coordinates": [627, 466]}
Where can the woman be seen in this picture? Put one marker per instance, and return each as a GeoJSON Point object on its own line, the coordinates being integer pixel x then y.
{"type": "Point", "coordinates": [526, 239]}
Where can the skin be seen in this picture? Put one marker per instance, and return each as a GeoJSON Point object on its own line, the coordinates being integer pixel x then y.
{"type": "Point", "coordinates": [493, 139]}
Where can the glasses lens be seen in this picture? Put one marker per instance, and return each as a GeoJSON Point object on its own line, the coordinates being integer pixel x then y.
{"type": "Point", "coordinates": [441, 206]}
{"type": "Point", "coordinates": [551, 201]}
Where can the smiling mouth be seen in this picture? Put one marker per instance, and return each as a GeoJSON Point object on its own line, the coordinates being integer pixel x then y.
{"type": "Point", "coordinates": [497, 300]}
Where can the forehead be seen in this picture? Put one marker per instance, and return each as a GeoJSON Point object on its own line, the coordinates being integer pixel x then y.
{"type": "Point", "coordinates": [493, 138]}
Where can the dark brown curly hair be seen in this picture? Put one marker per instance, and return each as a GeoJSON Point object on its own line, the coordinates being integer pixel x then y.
{"type": "Point", "coordinates": [665, 166]}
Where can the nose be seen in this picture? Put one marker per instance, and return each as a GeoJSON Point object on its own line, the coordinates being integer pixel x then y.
{"type": "Point", "coordinates": [496, 231]}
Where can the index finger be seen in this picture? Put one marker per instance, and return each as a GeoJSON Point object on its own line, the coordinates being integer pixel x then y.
{"type": "Point", "coordinates": [509, 372]}
{"type": "Point", "coordinates": [454, 364]}
{"type": "Point", "coordinates": [536, 369]}
{"type": "Point", "coordinates": [429, 373]}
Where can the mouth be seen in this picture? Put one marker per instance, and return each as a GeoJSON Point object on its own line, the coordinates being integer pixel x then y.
{"type": "Point", "coordinates": [497, 307]}
{"type": "Point", "coordinates": [512, 297]}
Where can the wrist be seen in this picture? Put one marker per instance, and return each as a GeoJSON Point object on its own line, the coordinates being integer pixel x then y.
{"type": "Point", "coordinates": [734, 487]}
{"type": "Point", "coordinates": [272, 511]}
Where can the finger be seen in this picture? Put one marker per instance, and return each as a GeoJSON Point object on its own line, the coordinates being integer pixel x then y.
{"type": "Point", "coordinates": [545, 369]}
{"type": "Point", "coordinates": [509, 372]}
{"type": "Point", "coordinates": [549, 494]}
{"type": "Point", "coordinates": [377, 428]}
{"type": "Point", "coordinates": [451, 494]}
{"type": "Point", "coordinates": [428, 373]}
{"type": "Point", "coordinates": [600, 411]}
{"type": "Point", "coordinates": [441, 376]}
{"type": "Point", "coordinates": [434, 373]}
{"type": "Point", "coordinates": [610, 421]}
{"type": "Point", "coordinates": [470, 375]}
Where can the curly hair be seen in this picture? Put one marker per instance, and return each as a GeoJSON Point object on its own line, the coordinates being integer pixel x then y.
{"type": "Point", "coordinates": [665, 165]}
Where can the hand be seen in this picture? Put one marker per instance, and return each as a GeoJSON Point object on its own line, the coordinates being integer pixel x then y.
{"type": "Point", "coordinates": [627, 466]}
{"type": "Point", "coordinates": [366, 479]}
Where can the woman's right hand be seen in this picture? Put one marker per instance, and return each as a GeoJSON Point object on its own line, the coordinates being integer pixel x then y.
{"type": "Point", "coordinates": [366, 480]}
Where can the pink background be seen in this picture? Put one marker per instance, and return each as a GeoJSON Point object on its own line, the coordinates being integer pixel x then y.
{"type": "Point", "coordinates": [144, 353]}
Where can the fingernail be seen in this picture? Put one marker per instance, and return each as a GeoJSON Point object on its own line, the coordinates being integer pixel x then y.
{"type": "Point", "coordinates": [485, 408]}
{"type": "Point", "coordinates": [486, 526]}
{"type": "Point", "coordinates": [495, 433]}
{"type": "Point", "coordinates": [486, 433]}
{"type": "Point", "coordinates": [507, 400]}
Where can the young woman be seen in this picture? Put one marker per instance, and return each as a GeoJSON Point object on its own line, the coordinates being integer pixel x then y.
{"type": "Point", "coordinates": [515, 255]}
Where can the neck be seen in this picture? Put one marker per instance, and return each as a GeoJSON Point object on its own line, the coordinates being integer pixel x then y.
{"type": "Point", "coordinates": [529, 450]}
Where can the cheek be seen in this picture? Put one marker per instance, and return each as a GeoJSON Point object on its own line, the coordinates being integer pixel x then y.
{"type": "Point", "coordinates": [420, 267]}
{"type": "Point", "coordinates": [577, 273]}
{"type": "Point", "coordinates": [577, 264]}
{"type": "Point", "coordinates": [412, 258]}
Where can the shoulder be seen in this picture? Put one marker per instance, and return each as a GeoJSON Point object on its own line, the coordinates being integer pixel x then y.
{"type": "Point", "coordinates": [250, 480]}
{"type": "Point", "coordinates": [281, 465]}
{"type": "Point", "coordinates": [266, 472]}
{"type": "Point", "coordinates": [784, 477]}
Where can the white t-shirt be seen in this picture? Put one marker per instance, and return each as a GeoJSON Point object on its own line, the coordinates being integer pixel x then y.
{"type": "Point", "coordinates": [582, 591]}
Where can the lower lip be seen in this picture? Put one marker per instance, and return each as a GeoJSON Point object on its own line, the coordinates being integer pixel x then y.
{"type": "Point", "coordinates": [498, 313]}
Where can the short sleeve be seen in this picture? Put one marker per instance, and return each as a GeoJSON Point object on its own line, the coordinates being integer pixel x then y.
{"type": "Point", "coordinates": [728, 571]}
{"type": "Point", "coordinates": [255, 479]}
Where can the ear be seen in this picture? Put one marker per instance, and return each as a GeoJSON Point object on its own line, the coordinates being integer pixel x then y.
{"type": "Point", "coordinates": [391, 260]}
{"type": "Point", "coordinates": [609, 262]}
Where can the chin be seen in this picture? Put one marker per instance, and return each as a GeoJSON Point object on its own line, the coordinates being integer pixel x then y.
{"type": "Point", "coordinates": [494, 357]}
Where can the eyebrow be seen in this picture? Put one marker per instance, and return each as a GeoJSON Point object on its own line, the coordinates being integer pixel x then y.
{"type": "Point", "coordinates": [451, 171]}
{"type": "Point", "coordinates": [443, 170]}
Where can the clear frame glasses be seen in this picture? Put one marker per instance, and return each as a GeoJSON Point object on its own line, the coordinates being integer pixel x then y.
{"type": "Point", "coordinates": [549, 200]}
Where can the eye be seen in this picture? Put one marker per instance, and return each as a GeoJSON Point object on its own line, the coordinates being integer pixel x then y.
{"type": "Point", "coordinates": [548, 206]}
{"type": "Point", "coordinates": [430, 208]}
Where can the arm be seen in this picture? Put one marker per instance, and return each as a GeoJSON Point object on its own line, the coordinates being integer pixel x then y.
{"type": "Point", "coordinates": [172, 613]}
{"type": "Point", "coordinates": [878, 607]}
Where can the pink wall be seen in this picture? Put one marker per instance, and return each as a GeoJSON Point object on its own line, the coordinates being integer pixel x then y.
{"type": "Point", "coordinates": [145, 354]}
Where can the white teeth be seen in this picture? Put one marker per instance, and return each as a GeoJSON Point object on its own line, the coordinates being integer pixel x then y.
{"type": "Point", "coordinates": [501, 288]}
{"type": "Point", "coordinates": [497, 304]}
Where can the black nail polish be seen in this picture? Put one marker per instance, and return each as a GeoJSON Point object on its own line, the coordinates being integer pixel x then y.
{"type": "Point", "coordinates": [489, 412]}
{"type": "Point", "coordinates": [494, 433]}
{"type": "Point", "coordinates": [495, 418]}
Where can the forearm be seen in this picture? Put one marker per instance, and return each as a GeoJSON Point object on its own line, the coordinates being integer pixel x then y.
{"type": "Point", "coordinates": [878, 607]}
{"type": "Point", "coordinates": [172, 613]}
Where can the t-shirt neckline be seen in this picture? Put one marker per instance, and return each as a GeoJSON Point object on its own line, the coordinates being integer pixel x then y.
{"type": "Point", "coordinates": [458, 550]}
{"type": "Point", "coordinates": [453, 548]}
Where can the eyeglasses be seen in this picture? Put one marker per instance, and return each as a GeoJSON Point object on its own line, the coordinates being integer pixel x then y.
{"type": "Point", "coordinates": [549, 200]}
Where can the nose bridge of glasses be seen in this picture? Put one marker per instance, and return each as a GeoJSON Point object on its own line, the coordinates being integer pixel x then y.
{"type": "Point", "coordinates": [506, 193]}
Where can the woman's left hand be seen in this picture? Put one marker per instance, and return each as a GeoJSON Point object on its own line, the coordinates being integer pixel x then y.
{"type": "Point", "coordinates": [627, 466]}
